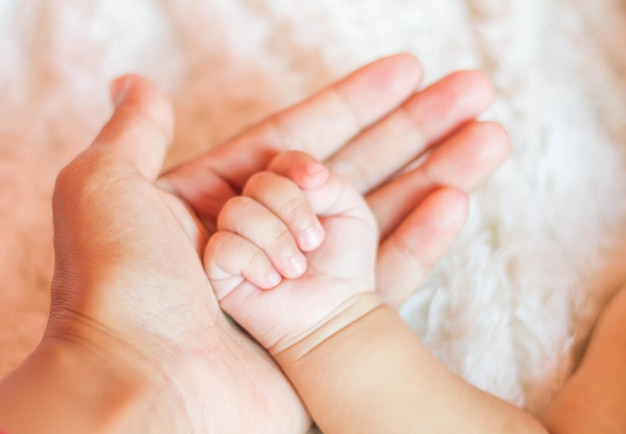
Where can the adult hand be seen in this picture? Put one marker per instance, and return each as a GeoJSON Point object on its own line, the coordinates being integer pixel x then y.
{"type": "Point", "coordinates": [129, 289]}
{"type": "Point", "coordinates": [369, 128]}
{"type": "Point", "coordinates": [130, 293]}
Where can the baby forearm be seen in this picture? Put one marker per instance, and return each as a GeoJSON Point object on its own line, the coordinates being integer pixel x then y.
{"type": "Point", "coordinates": [375, 376]}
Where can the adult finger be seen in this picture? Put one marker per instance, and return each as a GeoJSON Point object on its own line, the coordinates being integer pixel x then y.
{"type": "Point", "coordinates": [319, 125]}
{"type": "Point", "coordinates": [132, 143]}
{"type": "Point", "coordinates": [409, 252]}
{"type": "Point", "coordinates": [462, 161]}
{"type": "Point", "coordinates": [141, 128]}
{"type": "Point", "coordinates": [408, 132]}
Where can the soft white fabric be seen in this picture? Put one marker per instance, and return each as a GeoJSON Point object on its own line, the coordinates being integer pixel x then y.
{"type": "Point", "coordinates": [510, 307]}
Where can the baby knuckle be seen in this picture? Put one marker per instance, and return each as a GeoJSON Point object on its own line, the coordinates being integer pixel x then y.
{"type": "Point", "coordinates": [258, 260]}
{"type": "Point", "coordinates": [233, 209]}
{"type": "Point", "coordinates": [281, 239]}
{"type": "Point", "coordinates": [294, 207]}
{"type": "Point", "coordinates": [256, 182]}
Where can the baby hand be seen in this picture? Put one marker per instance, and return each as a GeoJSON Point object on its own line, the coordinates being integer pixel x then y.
{"type": "Point", "coordinates": [293, 252]}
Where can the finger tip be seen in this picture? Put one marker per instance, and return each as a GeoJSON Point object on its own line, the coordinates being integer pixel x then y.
{"type": "Point", "coordinates": [315, 168]}
{"type": "Point", "coordinates": [483, 86]}
{"type": "Point", "coordinates": [273, 280]}
{"type": "Point", "coordinates": [501, 140]}
{"type": "Point", "coordinates": [119, 88]}
{"type": "Point", "coordinates": [297, 266]}
{"type": "Point", "coordinates": [476, 86]}
{"type": "Point", "coordinates": [311, 238]}
{"type": "Point", "coordinates": [266, 281]}
{"type": "Point", "coordinates": [456, 196]}
{"type": "Point", "coordinates": [406, 73]}
{"type": "Point", "coordinates": [408, 65]}
{"type": "Point", "coordinates": [133, 89]}
{"type": "Point", "coordinates": [315, 174]}
{"type": "Point", "coordinates": [450, 203]}
{"type": "Point", "coordinates": [493, 144]}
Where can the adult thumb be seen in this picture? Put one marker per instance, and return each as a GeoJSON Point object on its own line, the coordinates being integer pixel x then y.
{"type": "Point", "coordinates": [142, 126]}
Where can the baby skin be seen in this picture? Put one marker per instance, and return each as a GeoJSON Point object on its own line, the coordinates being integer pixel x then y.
{"type": "Point", "coordinates": [293, 263]}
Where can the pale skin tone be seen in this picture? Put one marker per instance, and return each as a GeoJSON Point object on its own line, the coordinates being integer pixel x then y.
{"type": "Point", "coordinates": [136, 341]}
{"type": "Point", "coordinates": [132, 311]}
{"type": "Point", "coordinates": [258, 230]}
{"type": "Point", "coordinates": [350, 357]}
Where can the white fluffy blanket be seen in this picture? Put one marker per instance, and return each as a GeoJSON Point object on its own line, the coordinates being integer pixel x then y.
{"type": "Point", "coordinates": [511, 306]}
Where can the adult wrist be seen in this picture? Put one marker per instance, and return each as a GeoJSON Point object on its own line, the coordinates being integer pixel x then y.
{"type": "Point", "coordinates": [63, 387]}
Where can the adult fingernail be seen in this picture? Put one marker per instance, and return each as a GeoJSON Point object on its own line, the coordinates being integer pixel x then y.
{"type": "Point", "coordinates": [119, 90]}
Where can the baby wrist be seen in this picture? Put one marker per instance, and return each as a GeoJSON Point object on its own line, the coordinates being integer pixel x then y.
{"type": "Point", "coordinates": [350, 313]}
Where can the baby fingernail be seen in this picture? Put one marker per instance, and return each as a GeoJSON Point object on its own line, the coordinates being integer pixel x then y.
{"type": "Point", "coordinates": [273, 278]}
{"type": "Point", "coordinates": [298, 264]}
{"type": "Point", "coordinates": [311, 238]}
{"type": "Point", "coordinates": [315, 168]}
